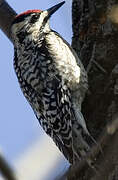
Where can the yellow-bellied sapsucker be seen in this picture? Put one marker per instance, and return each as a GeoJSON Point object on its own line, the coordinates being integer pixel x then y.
{"type": "Point", "coordinates": [52, 79]}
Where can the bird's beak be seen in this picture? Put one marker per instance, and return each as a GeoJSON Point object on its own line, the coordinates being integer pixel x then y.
{"type": "Point", "coordinates": [54, 8]}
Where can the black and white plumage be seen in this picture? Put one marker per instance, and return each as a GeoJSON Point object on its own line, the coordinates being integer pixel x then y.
{"type": "Point", "coordinates": [52, 79]}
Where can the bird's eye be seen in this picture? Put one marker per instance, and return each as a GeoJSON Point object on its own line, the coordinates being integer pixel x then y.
{"type": "Point", "coordinates": [34, 18]}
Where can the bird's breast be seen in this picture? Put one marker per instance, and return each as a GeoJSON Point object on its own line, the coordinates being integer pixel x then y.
{"type": "Point", "coordinates": [64, 59]}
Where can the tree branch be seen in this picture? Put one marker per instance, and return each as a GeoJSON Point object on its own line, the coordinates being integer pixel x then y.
{"type": "Point", "coordinates": [7, 15]}
{"type": "Point", "coordinates": [6, 170]}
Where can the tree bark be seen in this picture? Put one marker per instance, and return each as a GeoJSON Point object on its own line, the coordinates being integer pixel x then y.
{"type": "Point", "coordinates": [95, 39]}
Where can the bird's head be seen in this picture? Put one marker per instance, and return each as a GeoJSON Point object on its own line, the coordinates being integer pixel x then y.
{"type": "Point", "coordinates": [32, 22]}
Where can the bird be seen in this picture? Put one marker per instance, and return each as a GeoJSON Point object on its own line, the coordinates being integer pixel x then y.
{"type": "Point", "coordinates": [53, 80]}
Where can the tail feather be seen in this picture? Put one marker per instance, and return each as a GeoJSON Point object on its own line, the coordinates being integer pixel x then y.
{"type": "Point", "coordinates": [82, 140]}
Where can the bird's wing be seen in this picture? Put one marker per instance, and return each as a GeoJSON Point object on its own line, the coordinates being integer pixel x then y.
{"type": "Point", "coordinates": [51, 102]}
{"type": "Point", "coordinates": [57, 102]}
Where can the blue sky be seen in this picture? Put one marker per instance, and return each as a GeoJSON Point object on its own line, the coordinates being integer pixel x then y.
{"type": "Point", "coordinates": [19, 126]}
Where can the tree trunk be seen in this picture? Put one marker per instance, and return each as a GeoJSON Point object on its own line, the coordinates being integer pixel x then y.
{"type": "Point", "coordinates": [95, 39]}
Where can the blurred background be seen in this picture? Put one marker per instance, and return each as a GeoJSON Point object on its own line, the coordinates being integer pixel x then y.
{"type": "Point", "coordinates": [27, 148]}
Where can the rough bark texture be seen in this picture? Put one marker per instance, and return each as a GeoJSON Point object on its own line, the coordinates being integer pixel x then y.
{"type": "Point", "coordinates": [95, 39]}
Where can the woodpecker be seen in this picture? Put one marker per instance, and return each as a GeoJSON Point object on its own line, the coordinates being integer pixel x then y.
{"type": "Point", "coordinates": [53, 80]}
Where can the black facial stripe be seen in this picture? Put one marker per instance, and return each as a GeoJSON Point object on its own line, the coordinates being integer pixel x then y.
{"type": "Point", "coordinates": [22, 17]}
{"type": "Point", "coordinates": [43, 24]}
{"type": "Point", "coordinates": [34, 18]}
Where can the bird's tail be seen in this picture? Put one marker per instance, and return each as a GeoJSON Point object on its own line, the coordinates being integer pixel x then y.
{"type": "Point", "coordinates": [82, 140]}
